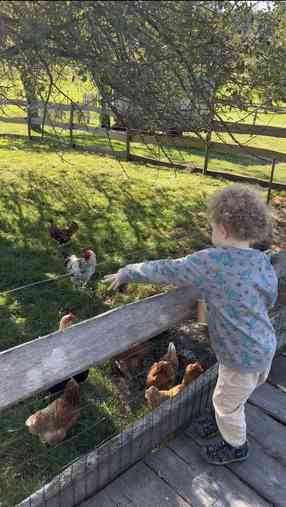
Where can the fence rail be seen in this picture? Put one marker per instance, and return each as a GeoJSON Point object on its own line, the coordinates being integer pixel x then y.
{"type": "Point", "coordinates": [55, 106]}
{"type": "Point", "coordinates": [41, 363]}
{"type": "Point", "coordinates": [140, 137]}
{"type": "Point", "coordinates": [243, 128]}
{"type": "Point", "coordinates": [185, 142]}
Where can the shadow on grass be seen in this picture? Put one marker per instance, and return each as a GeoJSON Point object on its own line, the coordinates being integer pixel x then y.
{"type": "Point", "coordinates": [52, 143]}
{"type": "Point", "coordinates": [58, 143]}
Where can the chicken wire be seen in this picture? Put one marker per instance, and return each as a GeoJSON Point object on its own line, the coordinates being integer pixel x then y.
{"type": "Point", "coordinates": [105, 417]}
{"type": "Point", "coordinates": [95, 469]}
{"type": "Point", "coordinates": [98, 448]}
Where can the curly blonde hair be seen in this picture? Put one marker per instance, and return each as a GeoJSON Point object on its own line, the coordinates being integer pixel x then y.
{"type": "Point", "coordinates": [242, 212]}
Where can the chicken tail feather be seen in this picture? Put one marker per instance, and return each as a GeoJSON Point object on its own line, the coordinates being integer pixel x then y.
{"type": "Point", "coordinates": [71, 393]}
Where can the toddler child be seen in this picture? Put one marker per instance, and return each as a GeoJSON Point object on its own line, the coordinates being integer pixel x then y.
{"type": "Point", "coordinates": [239, 286]}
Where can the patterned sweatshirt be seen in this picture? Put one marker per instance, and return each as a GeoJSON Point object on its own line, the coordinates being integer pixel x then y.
{"type": "Point", "coordinates": [239, 287]}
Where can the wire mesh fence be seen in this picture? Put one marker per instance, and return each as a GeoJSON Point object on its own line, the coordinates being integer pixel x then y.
{"type": "Point", "coordinates": [112, 399]}
{"type": "Point", "coordinates": [116, 426]}
{"type": "Point", "coordinates": [93, 470]}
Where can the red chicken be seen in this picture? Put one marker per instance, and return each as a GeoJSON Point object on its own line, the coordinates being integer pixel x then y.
{"type": "Point", "coordinates": [163, 373]}
{"type": "Point", "coordinates": [66, 321]}
{"type": "Point", "coordinates": [133, 359]}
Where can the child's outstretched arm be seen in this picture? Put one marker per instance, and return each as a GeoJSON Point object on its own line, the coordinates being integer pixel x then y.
{"type": "Point", "coordinates": [116, 279]}
{"type": "Point", "coordinates": [179, 272]}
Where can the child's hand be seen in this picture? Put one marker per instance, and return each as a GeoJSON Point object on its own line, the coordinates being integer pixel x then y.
{"type": "Point", "coordinates": [116, 279]}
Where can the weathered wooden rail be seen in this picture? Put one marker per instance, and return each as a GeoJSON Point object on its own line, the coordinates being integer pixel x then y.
{"type": "Point", "coordinates": [41, 363]}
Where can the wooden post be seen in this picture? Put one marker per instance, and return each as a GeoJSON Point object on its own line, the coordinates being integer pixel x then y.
{"type": "Point", "coordinates": [271, 181]}
{"type": "Point", "coordinates": [29, 127]}
{"type": "Point", "coordinates": [128, 139]}
{"type": "Point", "coordinates": [254, 118]}
{"type": "Point", "coordinates": [207, 148]}
{"type": "Point", "coordinates": [71, 123]}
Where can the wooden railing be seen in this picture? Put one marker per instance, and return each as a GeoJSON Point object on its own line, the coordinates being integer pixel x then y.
{"type": "Point", "coordinates": [41, 363]}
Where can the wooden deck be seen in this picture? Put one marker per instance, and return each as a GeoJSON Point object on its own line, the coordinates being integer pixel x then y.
{"type": "Point", "coordinates": [177, 475]}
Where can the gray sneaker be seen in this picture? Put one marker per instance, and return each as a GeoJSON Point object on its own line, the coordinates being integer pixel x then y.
{"type": "Point", "coordinates": [222, 453]}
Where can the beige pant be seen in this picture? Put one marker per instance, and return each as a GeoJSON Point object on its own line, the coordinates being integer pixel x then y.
{"type": "Point", "coordinates": [230, 395]}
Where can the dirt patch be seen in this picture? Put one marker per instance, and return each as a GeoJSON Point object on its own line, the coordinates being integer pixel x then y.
{"type": "Point", "coordinates": [192, 344]}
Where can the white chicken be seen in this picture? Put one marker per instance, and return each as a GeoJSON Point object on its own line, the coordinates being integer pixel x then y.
{"type": "Point", "coordinates": [81, 269]}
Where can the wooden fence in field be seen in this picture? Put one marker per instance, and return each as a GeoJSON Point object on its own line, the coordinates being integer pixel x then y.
{"type": "Point", "coordinates": [107, 135]}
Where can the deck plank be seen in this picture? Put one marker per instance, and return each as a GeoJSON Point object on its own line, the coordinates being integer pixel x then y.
{"type": "Point", "coordinates": [268, 432]}
{"type": "Point", "coordinates": [141, 487]}
{"type": "Point", "coordinates": [271, 400]}
{"type": "Point", "coordinates": [261, 472]}
{"type": "Point", "coordinates": [183, 468]}
{"type": "Point", "coordinates": [101, 499]}
{"type": "Point", "coordinates": [264, 474]}
{"type": "Point", "coordinates": [178, 476]}
{"type": "Point", "coordinates": [277, 375]}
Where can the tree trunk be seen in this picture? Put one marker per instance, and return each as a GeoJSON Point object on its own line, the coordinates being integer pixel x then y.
{"type": "Point", "coordinates": [31, 97]}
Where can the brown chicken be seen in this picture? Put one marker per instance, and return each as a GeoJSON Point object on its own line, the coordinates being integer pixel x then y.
{"type": "Point", "coordinates": [163, 373]}
{"type": "Point", "coordinates": [61, 235]}
{"type": "Point", "coordinates": [66, 321]}
{"type": "Point", "coordinates": [52, 423]}
{"type": "Point", "coordinates": [155, 396]}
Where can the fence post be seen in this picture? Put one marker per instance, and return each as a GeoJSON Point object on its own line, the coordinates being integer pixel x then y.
{"type": "Point", "coordinates": [29, 126]}
{"type": "Point", "coordinates": [271, 180]}
{"type": "Point", "coordinates": [71, 123]}
{"type": "Point", "coordinates": [128, 139]}
{"type": "Point", "coordinates": [207, 149]}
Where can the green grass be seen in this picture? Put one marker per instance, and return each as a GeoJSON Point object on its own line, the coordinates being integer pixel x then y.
{"type": "Point", "coordinates": [126, 213]}
{"type": "Point", "coordinates": [239, 164]}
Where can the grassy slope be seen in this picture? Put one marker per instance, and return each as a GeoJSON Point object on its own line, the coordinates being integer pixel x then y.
{"type": "Point", "coordinates": [148, 215]}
